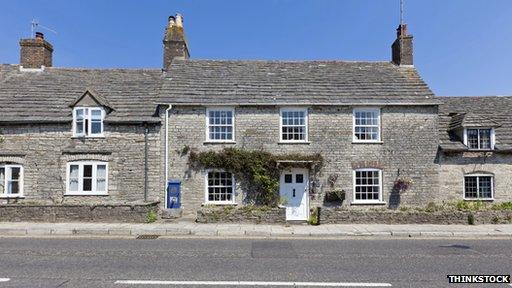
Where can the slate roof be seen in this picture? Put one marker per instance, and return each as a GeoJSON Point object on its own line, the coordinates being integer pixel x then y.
{"type": "Point", "coordinates": [45, 96]}
{"type": "Point", "coordinates": [493, 110]}
{"type": "Point", "coordinates": [210, 82]}
{"type": "Point", "coordinates": [461, 120]}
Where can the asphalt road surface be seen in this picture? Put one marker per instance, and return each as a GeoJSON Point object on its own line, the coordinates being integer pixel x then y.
{"type": "Point", "coordinates": [193, 262]}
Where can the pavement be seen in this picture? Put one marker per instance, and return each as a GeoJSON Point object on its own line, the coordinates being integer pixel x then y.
{"type": "Point", "coordinates": [205, 262]}
{"type": "Point", "coordinates": [32, 229]}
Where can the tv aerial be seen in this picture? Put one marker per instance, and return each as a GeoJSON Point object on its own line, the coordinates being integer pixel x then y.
{"type": "Point", "coordinates": [35, 24]}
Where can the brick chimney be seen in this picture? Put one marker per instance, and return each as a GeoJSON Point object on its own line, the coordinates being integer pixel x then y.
{"type": "Point", "coordinates": [175, 43]}
{"type": "Point", "coordinates": [402, 47]}
{"type": "Point", "coordinates": [35, 52]}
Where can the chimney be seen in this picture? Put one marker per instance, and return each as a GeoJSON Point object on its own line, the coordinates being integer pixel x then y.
{"type": "Point", "coordinates": [35, 52]}
{"type": "Point", "coordinates": [402, 47]}
{"type": "Point", "coordinates": [175, 43]}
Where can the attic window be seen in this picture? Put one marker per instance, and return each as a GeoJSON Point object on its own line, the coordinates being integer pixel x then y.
{"type": "Point", "coordinates": [479, 138]}
{"type": "Point", "coordinates": [88, 122]}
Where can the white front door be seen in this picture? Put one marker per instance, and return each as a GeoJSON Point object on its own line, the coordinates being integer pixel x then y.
{"type": "Point", "coordinates": [293, 190]}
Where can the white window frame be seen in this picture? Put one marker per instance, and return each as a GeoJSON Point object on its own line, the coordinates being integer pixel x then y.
{"type": "Point", "coordinates": [306, 124]}
{"type": "Point", "coordinates": [207, 118]}
{"type": "Point", "coordinates": [80, 191]}
{"type": "Point", "coordinates": [233, 189]}
{"type": "Point", "coordinates": [477, 187]}
{"type": "Point", "coordinates": [359, 201]}
{"type": "Point", "coordinates": [88, 117]}
{"type": "Point", "coordinates": [379, 119]}
{"type": "Point", "coordinates": [493, 137]}
{"type": "Point", "coordinates": [7, 176]}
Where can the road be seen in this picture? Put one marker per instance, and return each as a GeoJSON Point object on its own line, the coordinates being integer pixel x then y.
{"type": "Point", "coordinates": [100, 262]}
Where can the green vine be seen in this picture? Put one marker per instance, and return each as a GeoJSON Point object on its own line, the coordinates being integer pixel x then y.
{"type": "Point", "coordinates": [257, 169]}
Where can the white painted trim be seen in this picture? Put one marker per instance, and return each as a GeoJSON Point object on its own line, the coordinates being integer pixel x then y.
{"type": "Point", "coordinates": [8, 175]}
{"type": "Point", "coordinates": [354, 200]}
{"type": "Point", "coordinates": [207, 130]}
{"type": "Point", "coordinates": [253, 283]}
{"type": "Point", "coordinates": [478, 186]}
{"type": "Point", "coordinates": [379, 117]}
{"type": "Point", "coordinates": [306, 123]}
{"type": "Point", "coordinates": [88, 117]}
{"type": "Point", "coordinates": [80, 191]}
{"type": "Point", "coordinates": [233, 189]}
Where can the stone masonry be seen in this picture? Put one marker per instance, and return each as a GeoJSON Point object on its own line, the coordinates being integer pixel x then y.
{"type": "Point", "coordinates": [409, 151]}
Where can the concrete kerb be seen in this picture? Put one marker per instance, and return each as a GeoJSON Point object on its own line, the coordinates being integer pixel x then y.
{"type": "Point", "coordinates": [251, 230]}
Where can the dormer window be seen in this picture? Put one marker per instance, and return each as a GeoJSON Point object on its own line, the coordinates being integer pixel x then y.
{"type": "Point", "coordinates": [88, 122]}
{"type": "Point", "coordinates": [479, 138]}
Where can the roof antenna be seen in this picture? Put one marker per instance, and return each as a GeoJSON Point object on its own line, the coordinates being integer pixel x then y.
{"type": "Point", "coordinates": [35, 24]}
{"type": "Point", "coordinates": [401, 12]}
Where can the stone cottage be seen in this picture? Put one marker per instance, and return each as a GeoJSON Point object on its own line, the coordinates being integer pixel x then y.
{"type": "Point", "coordinates": [112, 139]}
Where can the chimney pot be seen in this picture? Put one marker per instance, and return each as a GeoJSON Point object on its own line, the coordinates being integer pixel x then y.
{"type": "Point", "coordinates": [179, 20]}
{"type": "Point", "coordinates": [39, 35]}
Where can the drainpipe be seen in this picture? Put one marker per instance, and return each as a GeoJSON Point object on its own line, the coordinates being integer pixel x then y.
{"type": "Point", "coordinates": [146, 131]}
{"type": "Point", "coordinates": [166, 168]}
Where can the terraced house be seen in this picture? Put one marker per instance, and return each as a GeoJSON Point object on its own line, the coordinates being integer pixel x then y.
{"type": "Point", "coordinates": [112, 144]}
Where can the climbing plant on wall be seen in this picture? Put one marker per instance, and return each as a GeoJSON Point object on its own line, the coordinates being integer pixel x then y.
{"type": "Point", "coordinates": [257, 170]}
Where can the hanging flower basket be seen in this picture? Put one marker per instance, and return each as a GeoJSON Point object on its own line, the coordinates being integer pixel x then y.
{"type": "Point", "coordinates": [334, 196]}
{"type": "Point", "coordinates": [402, 184]}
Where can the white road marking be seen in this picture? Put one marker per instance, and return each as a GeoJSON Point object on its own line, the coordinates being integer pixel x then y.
{"type": "Point", "coordinates": [5, 279]}
{"type": "Point", "coordinates": [253, 283]}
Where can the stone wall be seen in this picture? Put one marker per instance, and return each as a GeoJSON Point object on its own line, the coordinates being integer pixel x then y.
{"type": "Point", "coordinates": [455, 166]}
{"type": "Point", "coordinates": [344, 216]}
{"type": "Point", "coordinates": [78, 213]}
{"type": "Point", "coordinates": [247, 214]}
{"type": "Point", "coordinates": [408, 149]}
{"type": "Point", "coordinates": [45, 149]}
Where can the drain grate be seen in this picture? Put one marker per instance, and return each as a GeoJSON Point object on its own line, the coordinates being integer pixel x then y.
{"type": "Point", "coordinates": [147, 236]}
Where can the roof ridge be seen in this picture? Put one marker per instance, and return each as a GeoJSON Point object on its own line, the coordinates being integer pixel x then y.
{"type": "Point", "coordinates": [280, 61]}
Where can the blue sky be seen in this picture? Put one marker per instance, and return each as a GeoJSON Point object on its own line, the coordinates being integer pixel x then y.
{"type": "Point", "coordinates": [461, 47]}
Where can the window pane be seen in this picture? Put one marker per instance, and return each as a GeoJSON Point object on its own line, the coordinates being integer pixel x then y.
{"type": "Point", "coordinates": [96, 114]}
{"type": "Point", "coordinates": [470, 187]}
{"type": "Point", "coordinates": [87, 184]}
{"type": "Point", "coordinates": [15, 173]}
{"type": "Point", "coordinates": [485, 187]}
{"type": "Point", "coordinates": [2, 180]}
{"type": "Point", "coordinates": [87, 170]}
{"type": "Point", "coordinates": [472, 138]}
{"type": "Point", "coordinates": [100, 185]}
{"type": "Point", "coordinates": [288, 178]}
{"type": "Point", "coordinates": [73, 171]}
{"type": "Point", "coordinates": [299, 178]}
{"type": "Point", "coordinates": [95, 127]}
{"type": "Point", "coordinates": [13, 187]}
{"type": "Point", "coordinates": [101, 172]}
{"type": "Point", "coordinates": [79, 127]}
{"type": "Point", "coordinates": [485, 139]}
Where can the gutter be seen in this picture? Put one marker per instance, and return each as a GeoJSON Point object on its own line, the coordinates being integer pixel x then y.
{"type": "Point", "coordinates": [306, 104]}
{"type": "Point", "coordinates": [166, 168]}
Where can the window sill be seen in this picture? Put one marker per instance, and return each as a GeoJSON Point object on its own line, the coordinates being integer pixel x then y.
{"type": "Point", "coordinates": [12, 196]}
{"type": "Point", "coordinates": [294, 142]}
{"type": "Point", "coordinates": [369, 203]}
{"type": "Point", "coordinates": [85, 194]}
{"type": "Point", "coordinates": [88, 137]}
{"type": "Point", "coordinates": [367, 142]}
{"type": "Point", "coordinates": [481, 150]}
{"type": "Point", "coordinates": [218, 204]}
{"type": "Point", "coordinates": [479, 199]}
{"type": "Point", "coordinates": [218, 142]}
